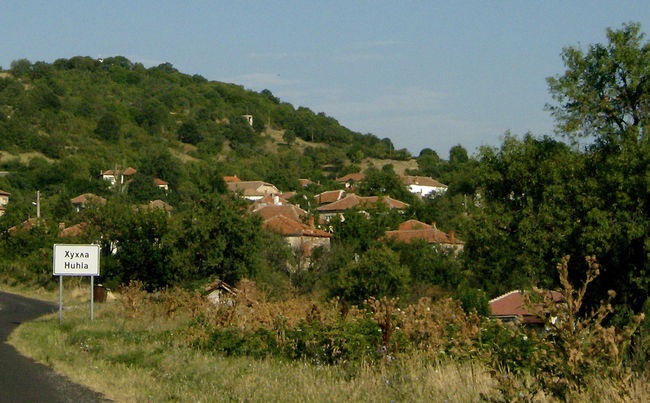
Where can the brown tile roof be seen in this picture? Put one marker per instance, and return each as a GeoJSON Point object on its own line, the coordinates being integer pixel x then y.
{"type": "Point", "coordinates": [288, 227]}
{"type": "Point", "coordinates": [413, 230]}
{"type": "Point", "coordinates": [290, 211]}
{"type": "Point", "coordinates": [3, 193]}
{"type": "Point", "coordinates": [160, 182]}
{"type": "Point", "coordinates": [87, 198]}
{"type": "Point", "coordinates": [352, 200]}
{"type": "Point", "coordinates": [251, 188]}
{"type": "Point", "coordinates": [511, 306]}
{"type": "Point", "coordinates": [422, 181]}
{"type": "Point", "coordinates": [127, 172]}
{"type": "Point", "coordinates": [329, 196]}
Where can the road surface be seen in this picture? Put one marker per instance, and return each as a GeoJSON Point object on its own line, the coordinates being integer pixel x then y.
{"type": "Point", "coordinates": [22, 379]}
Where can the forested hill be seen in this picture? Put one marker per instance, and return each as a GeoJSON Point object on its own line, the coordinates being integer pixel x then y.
{"type": "Point", "coordinates": [113, 112]}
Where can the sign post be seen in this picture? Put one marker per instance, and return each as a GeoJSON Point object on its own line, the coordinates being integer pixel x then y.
{"type": "Point", "coordinates": [76, 260]}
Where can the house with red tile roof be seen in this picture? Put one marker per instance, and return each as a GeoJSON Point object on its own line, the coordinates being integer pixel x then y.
{"type": "Point", "coordinates": [512, 307]}
{"type": "Point", "coordinates": [117, 176]}
{"type": "Point", "coordinates": [414, 230]}
{"type": "Point", "coordinates": [301, 237]}
{"type": "Point", "coordinates": [161, 184]}
{"type": "Point", "coordinates": [424, 186]}
{"type": "Point", "coordinates": [82, 201]}
{"type": "Point", "coordinates": [350, 180]}
{"type": "Point", "coordinates": [353, 201]}
{"type": "Point", "coordinates": [329, 196]}
{"type": "Point", "coordinates": [253, 190]}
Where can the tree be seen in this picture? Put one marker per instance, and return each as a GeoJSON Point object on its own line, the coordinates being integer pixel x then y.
{"type": "Point", "coordinates": [605, 95]}
{"type": "Point", "coordinates": [289, 137]}
{"type": "Point", "coordinates": [378, 273]}
{"type": "Point", "coordinates": [605, 92]}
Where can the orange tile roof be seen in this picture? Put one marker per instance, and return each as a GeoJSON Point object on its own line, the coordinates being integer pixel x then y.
{"type": "Point", "coordinates": [413, 230]}
{"type": "Point", "coordinates": [290, 211]}
{"type": "Point", "coordinates": [329, 196]}
{"type": "Point", "coordinates": [288, 227]}
{"type": "Point", "coordinates": [352, 201]}
{"type": "Point", "coordinates": [160, 182]}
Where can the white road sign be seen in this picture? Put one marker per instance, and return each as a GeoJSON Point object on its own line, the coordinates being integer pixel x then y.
{"type": "Point", "coordinates": [76, 260]}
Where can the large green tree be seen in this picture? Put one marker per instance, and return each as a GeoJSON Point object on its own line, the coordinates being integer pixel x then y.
{"type": "Point", "coordinates": [604, 95]}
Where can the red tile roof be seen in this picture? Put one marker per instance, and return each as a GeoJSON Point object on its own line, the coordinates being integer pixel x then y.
{"type": "Point", "coordinates": [288, 227]}
{"type": "Point", "coordinates": [352, 201]}
{"type": "Point", "coordinates": [329, 196]}
{"type": "Point", "coordinates": [73, 230]}
{"type": "Point", "coordinates": [511, 306]}
{"type": "Point", "coordinates": [413, 230]}
{"type": "Point", "coordinates": [290, 211]}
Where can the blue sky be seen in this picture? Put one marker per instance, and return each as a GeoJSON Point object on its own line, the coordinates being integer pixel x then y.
{"type": "Point", "coordinates": [422, 73]}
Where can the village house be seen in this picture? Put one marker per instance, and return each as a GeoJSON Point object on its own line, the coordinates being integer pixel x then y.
{"type": "Point", "coordinates": [424, 186]}
{"type": "Point", "coordinates": [511, 307]}
{"type": "Point", "coordinates": [352, 201]}
{"type": "Point", "coordinates": [329, 196]}
{"type": "Point", "coordinates": [82, 201]}
{"type": "Point", "coordinates": [116, 176]}
{"type": "Point", "coordinates": [302, 238]}
{"type": "Point", "coordinates": [414, 230]}
{"type": "Point", "coordinates": [350, 180]}
{"type": "Point", "coordinates": [253, 190]}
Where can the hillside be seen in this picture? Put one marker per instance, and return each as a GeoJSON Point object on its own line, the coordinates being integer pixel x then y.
{"type": "Point", "coordinates": [113, 112]}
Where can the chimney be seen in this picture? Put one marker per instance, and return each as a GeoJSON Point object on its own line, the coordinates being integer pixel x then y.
{"type": "Point", "coordinates": [452, 236]}
{"type": "Point", "coordinates": [61, 226]}
{"type": "Point", "coordinates": [311, 221]}
{"type": "Point", "coordinates": [276, 200]}
{"type": "Point", "coordinates": [433, 224]}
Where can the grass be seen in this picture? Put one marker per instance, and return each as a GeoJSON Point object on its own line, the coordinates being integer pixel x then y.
{"type": "Point", "coordinates": [145, 349]}
{"type": "Point", "coordinates": [154, 365]}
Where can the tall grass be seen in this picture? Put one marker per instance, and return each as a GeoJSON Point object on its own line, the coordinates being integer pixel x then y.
{"type": "Point", "coordinates": [175, 346]}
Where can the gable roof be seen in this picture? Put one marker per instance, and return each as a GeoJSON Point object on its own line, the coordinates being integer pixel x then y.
{"type": "Point", "coordinates": [422, 181]}
{"type": "Point", "coordinates": [290, 211]}
{"type": "Point", "coordinates": [511, 306]}
{"type": "Point", "coordinates": [3, 193]}
{"type": "Point", "coordinates": [252, 188]}
{"type": "Point", "coordinates": [352, 200]}
{"type": "Point", "coordinates": [413, 230]}
{"type": "Point", "coordinates": [329, 196]}
{"type": "Point", "coordinates": [87, 198]}
{"type": "Point", "coordinates": [288, 227]}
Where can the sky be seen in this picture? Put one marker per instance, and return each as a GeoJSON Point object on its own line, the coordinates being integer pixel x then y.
{"type": "Point", "coordinates": [426, 74]}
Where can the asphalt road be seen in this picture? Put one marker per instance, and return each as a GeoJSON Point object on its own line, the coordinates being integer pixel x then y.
{"type": "Point", "coordinates": [22, 379]}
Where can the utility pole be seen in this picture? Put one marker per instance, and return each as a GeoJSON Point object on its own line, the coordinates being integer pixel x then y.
{"type": "Point", "coordinates": [38, 204]}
